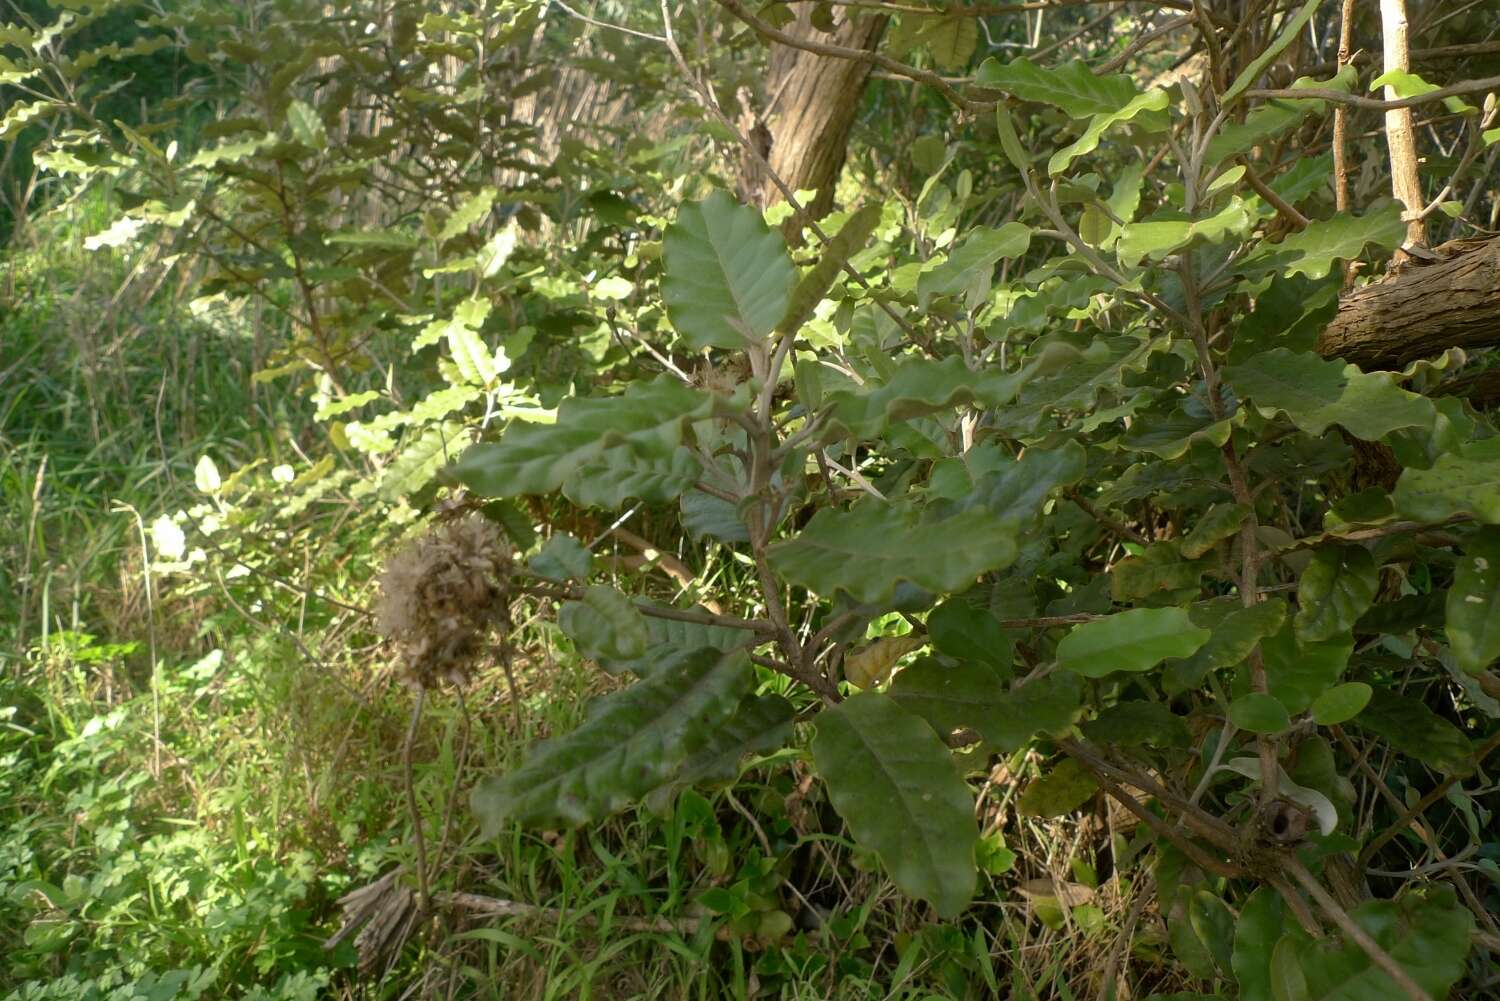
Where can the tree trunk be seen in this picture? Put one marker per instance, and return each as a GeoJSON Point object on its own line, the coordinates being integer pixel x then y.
{"type": "Point", "coordinates": [812, 103]}
{"type": "Point", "coordinates": [1421, 309]}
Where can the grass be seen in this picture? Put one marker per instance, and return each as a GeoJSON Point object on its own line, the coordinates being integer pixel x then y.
{"type": "Point", "coordinates": [197, 763]}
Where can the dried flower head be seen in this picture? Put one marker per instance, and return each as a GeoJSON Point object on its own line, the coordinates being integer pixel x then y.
{"type": "Point", "coordinates": [440, 594]}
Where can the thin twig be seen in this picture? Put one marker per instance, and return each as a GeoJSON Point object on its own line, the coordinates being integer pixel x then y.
{"type": "Point", "coordinates": [423, 896]}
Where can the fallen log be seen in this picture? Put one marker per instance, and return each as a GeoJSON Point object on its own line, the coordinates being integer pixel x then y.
{"type": "Point", "coordinates": [1446, 297]}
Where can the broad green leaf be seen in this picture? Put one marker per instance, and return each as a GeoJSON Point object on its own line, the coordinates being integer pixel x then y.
{"type": "Point", "coordinates": [706, 515]}
{"type": "Point", "coordinates": [1160, 235]}
{"type": "Point", "coordinates": [1404, 83]}
{"type": "Point", "coordinates": [1414, 730]}
{"type": "Point", "coordinates": [420, 460]}
{"type": "Point", "coordinates": [1161, 567]}
{"type": "Point", "coordinates": [1341, 703]}
{"type": "Point", "coordinates": [1273, 117]}
{"type": "Point", "coordinates": [1256, 933]}
{"type": "Point", "coordinates": [1237, 631]}
{"type": "Point", "coordinates": [1337, 587]}
{"type": "Point", "coordinates": [848, 241]}
{"type": "Point", "coordinates": [1016, 491]}
{"type": "Point", "coordinates": [977, 254]}
{"type": "Point", "coordinates": [1298, 672]}
{"type": "Point", "coordinates": [1151, 100]}
{"type": "Point", "coordinates": [470, 211]}
{"type": "Point", "coordinates": [1136, 640]}
{"type": "Point", "coordinates": [1072, 86]}
{"type": "Point", "coordinates": [1047, 705]}
{"type": "Point", "coordinates": [1259, 713]}
{"type": "Point", "coordinates": [1316, 394]}
{"type": "Point", "coordinates": [604, 625]}
{"type": "Point", "coordinates": [1063, 789]}
{"type": "Point", "coordinates": [1465, 482]}
{"type": "Point", "coordinates": [1473, 610]}
{"type": "Point", "coordinates": [1138, 723]}
{"type": "Point", "coordinates": [871, 664]}
{"type": "Point", "coordinates": [1172, 435]}
{"type": "Point", "coordinates": [895, 784]}
{"type": "Point", "coordinates": [1220, 522]}
{"type": "Point", "coordinates": [1102, 368]}
{"type": "Point", "coordinates": [1213, 922]}
{"type": "Point", "coordinates": [1290, 27]}
{"type": "Point", "coordinates": [307, 127]}
{"type": "Point", "coordinates": [622, 472]}
{"type": "Point", "coordinates": [668, 638]}
{"type": "Point", "coordinates": [1425, 931]}
{"type": "Point", "coordinates": [921, 386]}
{"type": "Point", "coordinates": [1189, 950]}
{"type": "Point", "coordinates": [968, 632]}
{"type": "Point", "coordinates": [562, 558]}
{"type": "Point", "coordinates": [647, 422]}
{"type": "Point", "coordinates": [728, 279]}
{"type": "Point", "coordinates": [1313, 250]}
{"type": "Point", "coordinates": [758, 724]}
{"type": "Point", "coordinates": [867, 550]}
{"type": "Point", "coordinates": [950, 38]}
{"type": "Point", "coordinates": [631, 742]}
{"type": "Point", "coordinates": [1010, 143]}
{"type": "Point", "coordinates": [950, 697]}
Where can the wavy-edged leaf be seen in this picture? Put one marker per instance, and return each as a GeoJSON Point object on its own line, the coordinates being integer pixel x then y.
{"type": "Point", "coordinates": [1427, 932]}
{"type": "Point", "coordinates": [1135, 640]}
{"type": "Point", "coordinates": [631, 742]}
{"type": "Point", "coordinates": [975, 256]}
{"type": "Point", "coordinates": [968, 694]}
{"type": "Point", "coordinates": [1256, 66]}
{"type": "Point", "coordinates": [1337, 587]}
{"type": "Point", "coordinates": [868, 549]}
{"type": "Point", "coordinates": [1298, 672]}
{"type": "Point", "coordinates": [968, 632]}
{"type": "Point", "coordinates": [420, 460]}
{"type": "Point", "coordinates": [758, 724]}
{"type": "Point", "coordinates": [1063, 789]}
{"type": "Point", "coordinates": [1473, 608]}
{"type": "Point", "coordinates": [667, 638]}
{"type": "Point", "coordinates": [562, 558]}
{"type": "Point", "coordinates": [1017, 489]}
{"type": "Point", "coordinates": [1136, 723]}
{"type": "Point", "coordinates": [950, 38]}
{"type": "Point", "coordinates": [1274, 117]}
{"type": "Point", "coordinates": [1151, 100]}
{"type": "Point", "coordinates": [1172, 435]}
{"type": "Point", "coordinates": [1161, 567]}
{"type": "Point", "coordinates": [1236, 631]}
{"type": "Point", "coordinates": [1161, 234]}
{"type": "Point", "coordinates": [1316, 394]}
{"type": "Point", "coordinates": [706, 515]}
{"type": "Point", "coordinates": [1462, 482]}
{"type": "Point", "coordinates": [647, 422]}
{"type": "Point", "coordinates": [1418, 732]}
{"type": "Point", "coordinates": [871, 664]}
{"type": "Point", "coordinates": [1072, 86]}
{"type": "Point", "coordinates": [1313, 250]}
{"type": "Point", "coordinates": [728, 278]}
{"type": "Point", "coordinates": [604, 625]}
{"type": "Point", "coordinates": [895, 784]}
{"type": "Point", "coordinates": [814, 284]}
{"type": "Point", "coordinates": [472, 209]}
{"type": "Point", "coordinates": [1218, 523]}
{"type": "Point", "coordinates": [622, 472]}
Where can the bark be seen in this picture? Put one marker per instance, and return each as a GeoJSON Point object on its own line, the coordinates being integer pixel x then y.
{"type": "Point", "coordinates": [1400, 136]}
{"type": "Point", "coordinates": [1421, 309]}
{"type": "Point", "coordinates": [813, 101]}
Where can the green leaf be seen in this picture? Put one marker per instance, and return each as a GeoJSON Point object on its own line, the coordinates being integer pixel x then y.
{"type": "Point", "coordinates": [758, 724]}
{"type": "Point", "coordinates": [1237, 631]}
{"type": "Point", "coordinates": [1313, 250]}
{"type": "Point", "coordinates": [728, 279]}
{"type": "Point", "coordinates": [1171, 436]}
{"type": "Point", "coordinates": [948, 696]}
{"type": "Point", "coordinates": [1274, 117]}
{"type": "Point", "coordinates": [1016, 490]}
{"type": "Point", "coordinates": [1341, 703]}
{"type": "Point", "coordinates": [1257, 66]}
{"type": "Point", "coordinates": [646, 423]}
{"type": "Point", "coordinates": [976, 255]}
{"type": "Point", "coordinates": [1259, 713]}
{"type": "Point", "coordinates": [1137, 723]}
{"type": "Point", "coordinates": [848, 241]}
{"type": "Point", "coordinates": [420, 460]}
{"type": "Point", "coordinates": [631, 742]}
{"type": "Point", "coordinates": [668, 638]}
{"type": "Point", "coordinates": [867, 550]}
{"type": "Point", "coordinates": [1220, 522]}
{"type": "Point", "coordinates": [1465, 482]}
{"type": "Point", "coordinates": [1473, 609]}
{"type": "Point", "coordinates": [307, 128]}
{"type": "Point", "coordinates": [1426, 932]}
{"type": "Point", "coordinates": [1151, 100]}
{"type": "Point", "coordinates": [895, 784]}
{"type": "Point", "coordinates": [706, 515]}
{"type": "Point", "coordinates": [562, 558]}
{"type": "Point", "coordinates": [1256, 933]}
{"type": "Point", "coordinates": [470, 211]}
{"type": "Point", "coordinates": [1298, 672]}
{"type": "Point", "coordinates": [1010, 143]}
{"type": "Point", "coordinates": [1047, 705]}
{"type": "Point", "coordinates": [1136, 640]}
{"type": "Point", "coordinates": [951, 39]}
{"type": "Point", "coordinates": [1062, 790]}
{"type": "Point", "coordinates": [1161, 234]}
{"type": "Point", "coordinates": [1404, 83]}
{"type": "Point", "coordinates": [1213, 923]}
{"type": "Point", "coordinates": [1414, 730]}
{"type": "Point", "coordinates": [1073, 86]}
{"type": "Point", "coordinates": [621, 472]}
{"type": "Point", "coordinates": [604, 625]}
{"type": "Point", "coordinates": [1337, 587]}
{"type": "Point", "coordinates": [1160, 568]}
{"type": "Point", "coordinates": [1316, 394]}
{"type": "Point", "coordinates": [967, 632]}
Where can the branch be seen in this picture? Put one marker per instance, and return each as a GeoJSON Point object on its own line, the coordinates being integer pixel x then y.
{"type": "Point", "coordinates": [1422, 804]}
{"type": "Point", "coordinates": [1375, 104]}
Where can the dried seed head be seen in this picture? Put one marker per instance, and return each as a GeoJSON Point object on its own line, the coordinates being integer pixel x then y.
{"type": "Point", "coordinates": [440, 594]}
